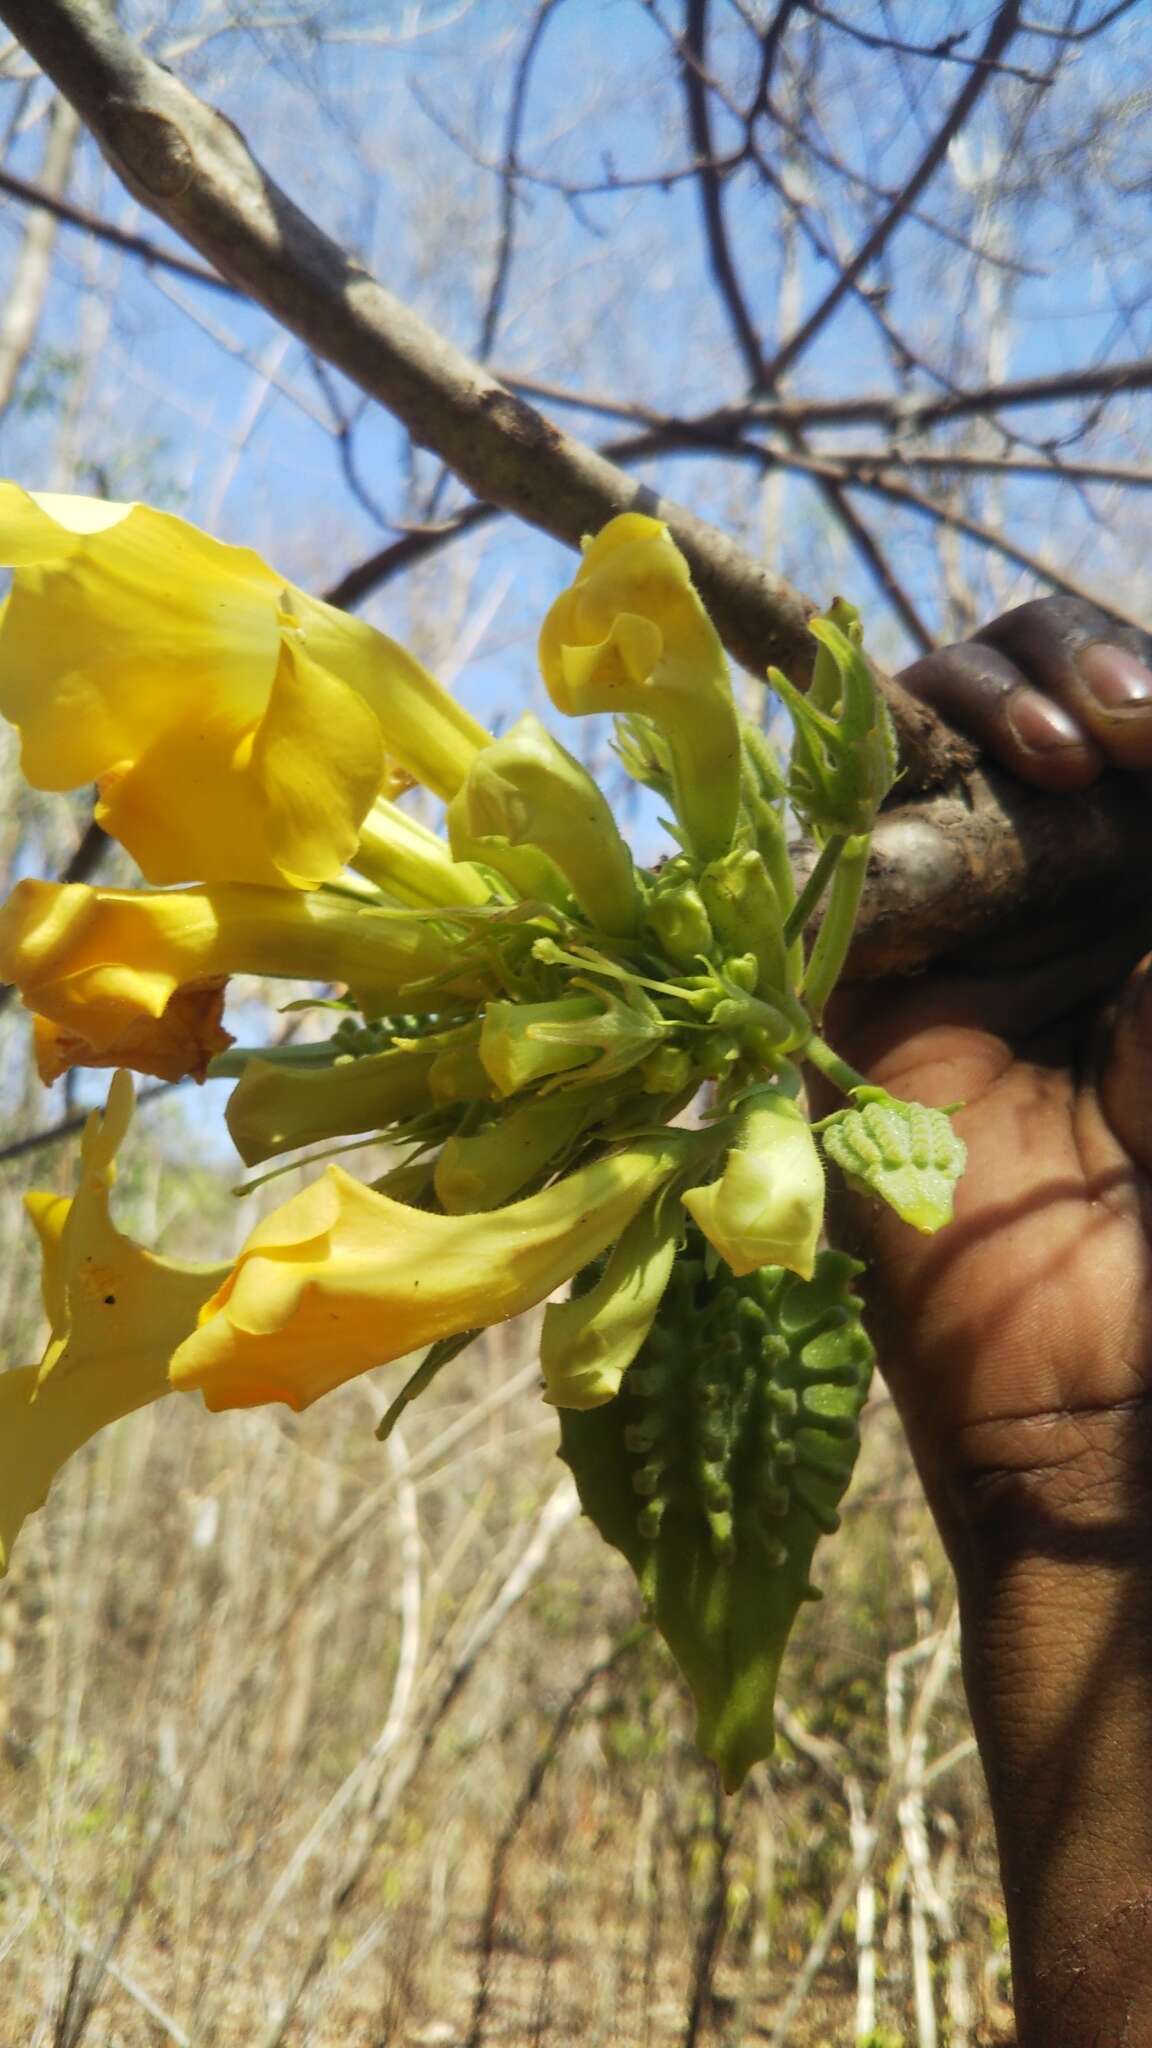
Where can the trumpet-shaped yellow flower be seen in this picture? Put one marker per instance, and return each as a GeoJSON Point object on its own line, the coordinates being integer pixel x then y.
{"type": "Point", "coordinates": [342, 1278]}
{"type": "Point", "coordinates": [239, 729]}
{"type": "Point", "coordinates": [116, 1312]}
{"type": "Point", "coordinates": [631, 635]}
{"type": "Point", "coordinates": [106, 965]}
{"type": "Point", "coordinates": [767, 1207]}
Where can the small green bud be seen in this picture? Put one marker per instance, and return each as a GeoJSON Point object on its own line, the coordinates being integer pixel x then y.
{"type": "Point", "coordinates": [844, 757]}
{"type": "Point", "coordinates": [745, 914]}
{"type": "Point", "coordinates": [677, 916]}
{"type": "Point", "coordinates": [667, 1071]}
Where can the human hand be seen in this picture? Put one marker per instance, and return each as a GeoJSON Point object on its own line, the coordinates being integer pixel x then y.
{"type": "Point", "coordinates": [1018, 1343]}
{"type": "Point", "coordinates": [1032, 1315]}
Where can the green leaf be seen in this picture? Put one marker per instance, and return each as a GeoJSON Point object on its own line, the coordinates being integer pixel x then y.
{"type": "Point", "coordinates": [718, 1467]}
{"type": "Point", "coordinates": [908, 1155]}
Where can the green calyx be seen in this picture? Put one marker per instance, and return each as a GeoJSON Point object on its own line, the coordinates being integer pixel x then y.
{"type": "Point", "coordinates": [720, 1465]}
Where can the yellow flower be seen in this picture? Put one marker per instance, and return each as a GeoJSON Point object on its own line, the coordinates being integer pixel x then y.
{"type": "Point", "coordinates": [342, 1278]}
{"type": "Point", "coordinates": [631, 635]}
{"type": "Point", "coordinates": [767, 1207]}
{"type": "Point", "coordinates": [239, 729]}
{"type": "Point", "coordinates": [116, 1312]}
{"type": "Point", "coordinates": [118, 970]}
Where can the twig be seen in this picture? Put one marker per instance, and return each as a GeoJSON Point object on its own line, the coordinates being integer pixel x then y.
{"type": "Point", "coordinates": [509, 177]}
{"type": "Point", "coordinates": [88, 1950]}
{"type": "Point", "coordinates": [150, 253]}
{"type": "Point", "coordinates": [999, 36]}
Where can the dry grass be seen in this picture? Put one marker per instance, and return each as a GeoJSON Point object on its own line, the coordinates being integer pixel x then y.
{"type": "Point", "coordinates": [310, 1741]}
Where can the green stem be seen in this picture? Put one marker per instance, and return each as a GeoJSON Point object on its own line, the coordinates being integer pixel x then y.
{"type": "Point", "coordinates": [829, 1063]}
{"type": "Point", "coordinates": [835, 936]}
{"type": "Point", "coordinates": [814, 887]}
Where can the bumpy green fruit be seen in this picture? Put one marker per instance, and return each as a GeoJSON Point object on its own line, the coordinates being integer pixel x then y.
{"type": "Point", "coordinates": [718, 1467]}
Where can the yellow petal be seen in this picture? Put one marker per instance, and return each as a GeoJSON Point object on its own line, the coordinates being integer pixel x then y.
{"type": "Point", "coordinates": [180, 1044]}
{"type": "Point", "coordinates": [278, 801]}
{"type": "Point", "coordinates": [239, 728]}
{"type": "Point", "coordinates": [342, 1278]}
{"type": "Point", "coordinates": [117, 1313]}
{"type": "Point", "coordinates": [631, 635]}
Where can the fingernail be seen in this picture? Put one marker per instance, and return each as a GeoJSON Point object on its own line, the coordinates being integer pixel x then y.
{"type": "Point", "coordinates": [1116, 679]}
{"type": "Point", "coordinates": [1040, 725]}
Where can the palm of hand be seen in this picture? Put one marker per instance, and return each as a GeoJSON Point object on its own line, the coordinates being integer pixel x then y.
{"type": "Point", "coordinates": [1020, 1340]}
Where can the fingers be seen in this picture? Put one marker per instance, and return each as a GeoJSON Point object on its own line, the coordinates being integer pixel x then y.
{"type": "Point", "coordinates": [1054, 690]}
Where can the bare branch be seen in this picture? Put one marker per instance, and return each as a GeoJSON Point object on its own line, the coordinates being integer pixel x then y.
{"type": "Point", "coordinates": [1004, 26]}
{"type": "Point", "coordinates": [32, 270]}
{"type": "Point", "coordinates": [41, 195]}
{"type": "Point", "coordinates": [509, 175]}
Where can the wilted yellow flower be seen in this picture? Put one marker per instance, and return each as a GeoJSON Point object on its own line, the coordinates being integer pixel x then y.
{"type": "Point", "coordinates": [105, 965]}
{"type": "Point", "coordinates": [631, 635]}
{"type": "Point", "coordinates": [117, 1313]}
{"type": "Point", "coordinates": [179, 1044]}
{"type": "Point", "coordinates": [239, 729]}
{"type": "Point", "coordinates": [342, 1278]}
{"type": "Point", "coordinates": [767, 1207]}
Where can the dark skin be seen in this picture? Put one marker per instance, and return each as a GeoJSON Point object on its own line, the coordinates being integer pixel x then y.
{"type": "Point", "coordinates": [1018, 1346]}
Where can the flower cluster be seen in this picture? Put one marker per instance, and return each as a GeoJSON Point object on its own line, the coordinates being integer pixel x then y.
{"type": "Point", "coordinates": [590, 1070]}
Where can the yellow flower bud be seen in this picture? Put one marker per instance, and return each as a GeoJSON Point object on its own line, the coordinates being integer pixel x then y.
{"type": "Point", "coordinates": [526, 789]}
{"type": "Point", "coordinates": [276, 1107]}
{"type": "Point", "coordinates": [105, 965]}
{"type": "Point", "coordinates": [588, 1343]}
